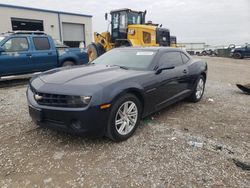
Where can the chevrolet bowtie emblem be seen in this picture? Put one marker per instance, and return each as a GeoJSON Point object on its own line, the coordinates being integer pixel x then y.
{"type": "Point", "coordinates": [38, 97]}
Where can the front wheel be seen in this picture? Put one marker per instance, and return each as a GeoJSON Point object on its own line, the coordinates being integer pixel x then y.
{"type": "Point", "coordinates": [94, 51]}
{"type": "Point", "coordinates": [124, 118]}
{"type": "Point", "coordinates": [237, 55]}
{"type": "Point", "coordinates": [199, 90]}
{"type": "Point", "coordinates": [68, 63]}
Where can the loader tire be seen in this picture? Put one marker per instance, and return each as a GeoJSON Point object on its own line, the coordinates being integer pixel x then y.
{"type": "Point", "coordinates": [94, 51]}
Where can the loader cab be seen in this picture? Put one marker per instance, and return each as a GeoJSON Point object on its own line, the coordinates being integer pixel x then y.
{"type": "Point", "coordinates": [120, 19]}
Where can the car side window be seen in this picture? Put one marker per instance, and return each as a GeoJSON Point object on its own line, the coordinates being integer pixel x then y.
{"type": "Point", "coordinates": [171, 58]}
{"type": "Point", "coordinates": [41, 43]}
{"type": "Point", "coordinates": [17, 44]}
{"type": "Point", "coordinates": [185, 58]}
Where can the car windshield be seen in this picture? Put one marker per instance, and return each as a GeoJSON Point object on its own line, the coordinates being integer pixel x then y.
{"type": "Point", "coordinates": [134, 59]}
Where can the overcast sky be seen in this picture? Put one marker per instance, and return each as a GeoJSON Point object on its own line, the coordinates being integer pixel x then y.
{"type": "Point", "coordinates": [215, 22]}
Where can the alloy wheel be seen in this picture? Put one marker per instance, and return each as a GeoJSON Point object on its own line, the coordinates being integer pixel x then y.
{"type": "Point", "coordinates": [126, 118]}
{"type": "Point", "coordinates": [199, 89]}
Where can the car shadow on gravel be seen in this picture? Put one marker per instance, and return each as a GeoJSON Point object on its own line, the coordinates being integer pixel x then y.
{"type": "Point", "coordinates": [68, 138]}
{"type": "Point", "coordinates": [61, 138]}
{"type": "Point", "coordinates": [167, 110]}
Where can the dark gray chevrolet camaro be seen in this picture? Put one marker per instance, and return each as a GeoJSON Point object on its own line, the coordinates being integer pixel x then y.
{"type": "Point", "coordinates": [110, 95]}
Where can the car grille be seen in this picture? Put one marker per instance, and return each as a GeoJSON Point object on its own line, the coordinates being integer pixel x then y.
{"type": "Point", "coordinates": [57, 100]}
{"type": "Point", "coordinates": [52, 99]}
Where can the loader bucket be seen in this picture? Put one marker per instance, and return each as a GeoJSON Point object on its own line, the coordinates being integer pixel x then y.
{"type": "Point", "coordinates": [245, 88]}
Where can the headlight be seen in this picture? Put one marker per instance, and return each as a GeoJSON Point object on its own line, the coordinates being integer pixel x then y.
{"type": "Point", "coordinates": [232, 50]}
{"type": "Point", "coordinates": [79, 101]}
{"type": "Point", "coordinates": [85, 99]}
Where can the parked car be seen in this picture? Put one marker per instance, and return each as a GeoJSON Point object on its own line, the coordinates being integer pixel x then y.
{"type": "Point", "coordinates": [110, 96]}
{"type": "Point", "coordinates": [27, 52]}
{"type": "Point", "coordinates": [209, 52]}
{"type": "Point", "coordinates": [240, 53]}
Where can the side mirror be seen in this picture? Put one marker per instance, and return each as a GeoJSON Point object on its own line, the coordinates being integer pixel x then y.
{"type": "Point", "coordinates": [106, 16]}
{"type": "Point", "coordinates": [164, 67]}
{"type": "Point", "coordinates": [1, 50]}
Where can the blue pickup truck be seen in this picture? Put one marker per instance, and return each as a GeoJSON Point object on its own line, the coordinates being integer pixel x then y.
{"type": "Point", "coordinates": [28, 52]}
{"type": "Point", "coordinates": [240, 53]}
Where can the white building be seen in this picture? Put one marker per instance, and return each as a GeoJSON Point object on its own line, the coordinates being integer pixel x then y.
{"type": "Point", "coordinates": [71, 28]}
{"type": "Point", "coordinates": [193, 46]}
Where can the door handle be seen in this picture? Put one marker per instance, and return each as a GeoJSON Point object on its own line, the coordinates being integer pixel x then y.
{"type": "Point", "coordinates": [50, 53]}
{"type": "Point", "coordinates": [29, 55]}
{"type": "Point", "coordinates": [185, 71]}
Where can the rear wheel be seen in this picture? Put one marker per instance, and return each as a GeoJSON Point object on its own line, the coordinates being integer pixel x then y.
{"type": "Point", "coordinates": [199, 90]}
{"type": "Point", "coordinates": [68, 63]}
{"type": "Point", "coordinates": [125, 117]}
{"type": "Point", "coordinates": [237, 55]}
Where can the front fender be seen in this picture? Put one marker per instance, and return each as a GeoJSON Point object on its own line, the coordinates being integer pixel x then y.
{"type": "Point", "coordinates": [113, 93]}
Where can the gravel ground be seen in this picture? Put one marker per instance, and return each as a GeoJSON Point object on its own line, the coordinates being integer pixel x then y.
{"type": "Point", "coordinates": [158, 155]}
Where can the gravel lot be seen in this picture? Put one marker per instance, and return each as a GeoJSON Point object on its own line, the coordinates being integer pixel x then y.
{"type": "Point", "coordinates": [158, 155]}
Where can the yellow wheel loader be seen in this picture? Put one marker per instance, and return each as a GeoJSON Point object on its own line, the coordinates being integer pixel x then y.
{"type": "Point", "coordinates": [128, 28]}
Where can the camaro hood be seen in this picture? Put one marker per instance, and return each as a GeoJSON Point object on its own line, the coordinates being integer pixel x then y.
{"type": "Point", "coordinates": [87, 75]}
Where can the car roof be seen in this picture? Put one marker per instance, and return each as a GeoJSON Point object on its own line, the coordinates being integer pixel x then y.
{"type": "Point", "coordinates": [150, 48]}
{"type": "Point", "coordinates": [23, 33]}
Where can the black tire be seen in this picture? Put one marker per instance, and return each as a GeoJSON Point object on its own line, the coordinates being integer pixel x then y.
{"type": "Point", "coordinates": [194, 97]}
{"type": "Point", "coordinates": [204, 53]}
{"type": "Point", "coordinates": [68, 63]}
{"type": "Point", "coordinates": [94, 51]}
{"type": "Point", "coordinates": [237, 55]}
{"type": "Point", "coordinates": [112, 131]}
{"type": "Point", "coordinates": [100, 49]}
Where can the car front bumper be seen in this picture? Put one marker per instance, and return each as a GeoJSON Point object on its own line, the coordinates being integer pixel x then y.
{"type": "Point", "coordinates": [81, 121]}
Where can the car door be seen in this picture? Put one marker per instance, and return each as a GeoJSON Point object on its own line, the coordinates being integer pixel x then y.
{"type": "Point", "coordinates": [247, 50]}
{"type": "Point", "coordinates": [16, 57]}
{"type": "Point", "coordinates": [44, 54]}
{"type": "Point", "coordinates": [172, 82]}
{"type": "Point", "coordinates": [187, 78]}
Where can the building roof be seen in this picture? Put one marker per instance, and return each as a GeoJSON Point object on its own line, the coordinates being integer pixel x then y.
{"type": "Point", "coordinates": [43, 10]}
